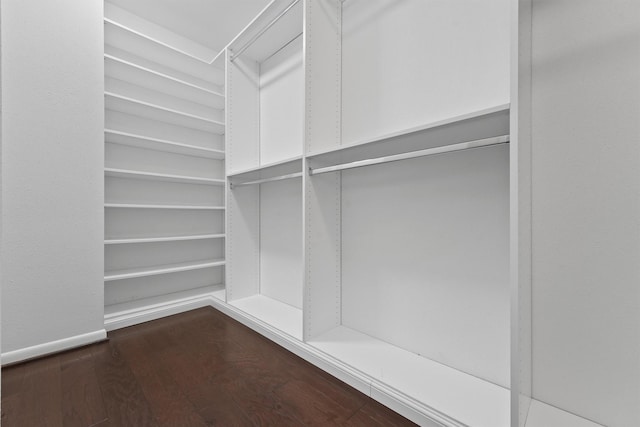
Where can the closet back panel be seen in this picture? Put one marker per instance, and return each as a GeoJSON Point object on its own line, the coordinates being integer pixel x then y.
{"type": "Point", "coordinates": [282, 104]}
{"type": "Point", "coordinates": [425, 257]}
{"type": "Point", "coordinates": [396, 74]}
{"type": "Point", "coordinates": [132, 223]}
{"type": "Point", "coordinates": [281, 241]}
{"type": "Point", "coordinates": [135, 255]}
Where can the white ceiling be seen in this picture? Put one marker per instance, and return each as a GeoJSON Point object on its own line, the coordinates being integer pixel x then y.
{"type": "Point", "coordinates": [212, 23]}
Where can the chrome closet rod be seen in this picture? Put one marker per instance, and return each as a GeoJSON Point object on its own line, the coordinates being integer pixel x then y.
{"type": "Point", "coordinates": [486, 142]}
{"type": "Point", "coordinates": [262, 181]}
{"type": "Point", "coordinates": [234, 55]}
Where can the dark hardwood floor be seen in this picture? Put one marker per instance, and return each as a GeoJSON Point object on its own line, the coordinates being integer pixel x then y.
{"type": "Point", "coordinates": [199, 368]}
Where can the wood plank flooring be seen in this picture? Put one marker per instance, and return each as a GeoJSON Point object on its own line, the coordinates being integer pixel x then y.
{"type": "Point", "coordinates": [199, 368]}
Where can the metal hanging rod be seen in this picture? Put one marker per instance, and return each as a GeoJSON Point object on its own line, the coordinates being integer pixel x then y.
{"type": "Point", "coordinates": [262, 181]}
{"type": "Point", "coordinates": [486, 142]}
{"type": "Point", "coordinates": [234, 55]}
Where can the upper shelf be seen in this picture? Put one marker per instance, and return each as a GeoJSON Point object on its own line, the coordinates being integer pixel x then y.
{"type": "Point", "coordinates": [285, 169]}
{"type": "Point", "coordinates": [479, 128]}
{"type": "Point", "coordinates": [123, 173]}
{"type": "Point", "coordinates": [279, 23]}
{"type": "Point", "coordinates": [135, 107]}
{"type": "Point", "coordinates": [134, 73]}
{"type": "Point", "coordinates": [134, 140]}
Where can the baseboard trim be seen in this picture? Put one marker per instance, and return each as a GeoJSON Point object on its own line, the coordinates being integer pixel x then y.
{"type": "Point", "coordinates": [153, 312]}
{"type": "Point", "coordinates": [51, 347]}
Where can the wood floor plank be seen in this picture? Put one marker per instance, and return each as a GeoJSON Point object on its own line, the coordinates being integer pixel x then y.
{"type": "Point", "coordinates": [199, 368]}
{"type": "Point", "coordinates": [83, 404]}
{"type": "Point", "coordinates": [124, 400]}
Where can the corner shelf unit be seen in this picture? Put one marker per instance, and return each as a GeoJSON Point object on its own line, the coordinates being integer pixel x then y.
{"type": "Point", "coordinates": [164, 174]}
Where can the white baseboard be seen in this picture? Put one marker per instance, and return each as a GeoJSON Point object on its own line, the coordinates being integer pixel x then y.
{"type": "Point", "coordinates": [153, 312]}
{"type": "Point", "coordinates": [50, 347]}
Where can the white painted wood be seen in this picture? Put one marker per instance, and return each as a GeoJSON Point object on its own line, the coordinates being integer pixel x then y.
{"type": "Point", "coordinates": [137, 125]}
{"type": "Point", "coordinates": [137, 43]}
{"type": "Point", "coordinates": [141, 141]}
{"type": "Point", "coordinates": [282, 104]}
{"type": "Point", "coordinates": [123, 173]}
{"type": "Point", "coordinates": [277, 314]}
{"type": "Point", "coordinates": [186, 207]}
{"type": "Point", "coordinates": [140, 108]}
{"type": "Point", "coordinates": [51, 347]}
{"type": "Point", "coordinates": [164, 269]}
{"type": "Point", "coordinates": [243, 115]}
{"type": "Point", "coordinates": [118, 156]}
{"type": "Point", "coordinates": [243, 242]}
{"type": "Point", "coordinates": [122, 69]}
{"type": "Point", "coordinates": [132, 313]}
{"type": "Point", "coordinates": [410, 62]}
{"type": "Point", "coordinates": [158, 34]}
{"type": "Point", "coordinates": [143, 223]}
{"type": "Point", "coordinates": [281, 272]}
{"type": "Point", "coordinates": [150, 192]}
{"type": "Point", "coordinates": [163, 239]}
{"type": "Point", "coordinates": [586, 208]}
{"type": "Point", "coordinates": [159, 98]}
{"type": "Point", "coordinates": [452, 397]}
{"type": "Point", "coordinates": [170, 70]}
{"type": "Point", "coordinates": [426, 242]}
{"type": "Point", "coordinates": [142, 255]}
{"type": "Point", "coordinates": [323, 74]}
{"type": "Point", "coordinates": [137, 291]}
{"type": "Point", "coordinates": [543, 415]}
{"type": "Point", "coordinates": [520, 215]}
{"type": "Point", "coordinates": [322, 288]}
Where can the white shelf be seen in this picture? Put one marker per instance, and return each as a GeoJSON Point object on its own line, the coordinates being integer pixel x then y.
{"type": "Point", "coordinates": [134, 140]}
{"type": "Point", "coordinates": [288, 168]}
{"type": "Point", "coordinates": [447, 392]}
{"type": "Point", "coordinates": [146, 309]}
{"type": "Point", "coordinates": [164, 269]}
{"type": "Point", "coordinates": [543, 415]}
{"type": "Point", "coordinates": [477, 125]}
{"type": "Point", "coordinates": [137, 72]}
{"type": "Point", "coordinates": [139, 108]}
{"type": "Point", "coordinates": [163, 239]}
{"type": "Point", "coordinates": [124, 173]}
{"type": "Point", "coordinates": [178, 207]}
{"type": "Point", "coordinates": [277, 314]}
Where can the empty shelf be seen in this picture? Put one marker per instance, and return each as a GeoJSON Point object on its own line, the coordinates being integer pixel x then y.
{"type": "Point", "coordinates": [285, 169]}
{"type": "Point", "coordinates": [164, 269]}
{"type": "Point", "coordinates": [163, 239]}
{"type": "Point", "coordinates": [446, 393]}
{"type": "Point", "coordinates": [284, 317]}
{"type": "Point", "coordinates": [179, 207]}
{"type": "Point", "coordinates": [150, 143]}
{"type": "Point", "coordinates": [139, 108]}
{"type": "Point", "coordinates": [124, 173]}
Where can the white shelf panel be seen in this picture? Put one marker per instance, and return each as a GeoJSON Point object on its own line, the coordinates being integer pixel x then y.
{"type": "Point", "coordinates": [179, 207]}
{"type": "Point", "coordinates": [163, 239]}
{"type": "Point", "coordinates": [488, 123]}
{"type": "Point", "coordinates": [288, 168]}
{"type": "Point", "coordinates": [220, 294]}
{"type": "Point", "coordinates": [142, 310]}
{"type": "Point", "coordinates": [277, 314]}
{"type": "Point", "coordinates": [124, 173]}
{"type": "Point", "coordinates": [157, 270]}
{"type": "Point", "coordinates": [139, 108]}
{"type": "Point", "coordinates": [543, 415]}
{"type": "Point", "coordinates": [460, 397]}
{"type": "Point", "coordinates": [140, 141]}
{"type": "Point", "coordinates": [147, 77]}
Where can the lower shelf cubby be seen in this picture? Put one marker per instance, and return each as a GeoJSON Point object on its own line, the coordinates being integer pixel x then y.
{"type": "Point", "coordinates": [266, 280]}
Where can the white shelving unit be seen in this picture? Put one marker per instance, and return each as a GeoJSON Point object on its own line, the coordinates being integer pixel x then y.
{"type": "Point", "coordinates": [164, 174]}
{"type": "Point", "coordinates": [264, 164]}
{"type": "Point", "coordinates": [371, 234]}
